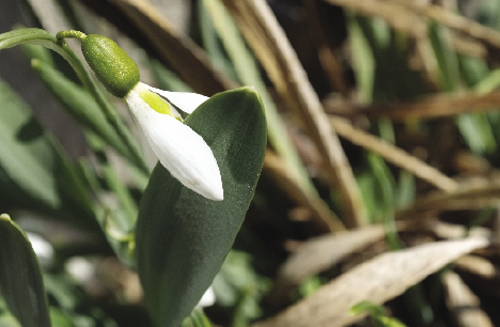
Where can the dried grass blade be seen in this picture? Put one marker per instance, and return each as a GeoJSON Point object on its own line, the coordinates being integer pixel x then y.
{"type": "Point", "coordinates": [468, 37]}
{"type": "Point", "coordinates": [395, 15]}
{"type": "Point", "coordinates": [268, 41]}
{"type": "Point", "coordinates": [463, 305]}
{"type": "Point", "coordinates": [324, 218]}
{"type": "Point", "coordinates": [435, 106]}
{"type": "Point", "coordinates": [487, 36]}
{"type": "Point", "coordinates": [467, 197]}
{"type": "Point", "coordinates": [394, 155]}
{"type": "Point", "coordinates": [478, 266]}
{"type": "Point", "coordinates": [444, 230]}
{"type": "Point", "coordinates": [318, 254]}
{"type": "Point", "coordinates": [377, 280]}
{"type": "Point", "coordinates": [327, 55]}
{"type": "Point", "coordinates": [248, 72]}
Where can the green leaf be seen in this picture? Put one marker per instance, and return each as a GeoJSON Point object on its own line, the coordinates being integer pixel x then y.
{"type": "Point", "coordinates": [477, 132]}
{"type": "Point", "coordinates": [447, 59]}
{"type": "Point", "coordinates": [81, 105]}
{"type": "Point", "coordinates": [386, 189]}
{"type": "Point", "coordinates": [6, 318]}
{"type": "Point", "coordinates": [183, 238]}
{"type": "Point", "coordinates": [367, 307]}
{"type": "Point", "coordinates": [20, 277]}
{"type": "Point", "coordinates": [363, 58]}
{"type": "Point", "coordinates": [27, 36]}
{"type": "Point", "coordinates": [196, 319]}
{"type": "Point", "coordinates": [34, 172]}
{"type": "Point", "coordinates": [378, 314]}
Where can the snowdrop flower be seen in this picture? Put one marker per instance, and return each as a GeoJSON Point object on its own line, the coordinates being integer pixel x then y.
{"type": "Point", "coordinates": [179, 149]}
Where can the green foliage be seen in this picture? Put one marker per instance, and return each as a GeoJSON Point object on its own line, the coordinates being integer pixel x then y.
{"type": "Point", "coordinates": [180, 243]}
{"type": "Point", "coordinates": [20, 277]}
{"type": "Point", "coordinates": [377, 313]}
{"type": "Point", "coordinates": [232, 123]}
{"type": "Point", "coordinates": [81, 105]}
{"type": "Point", "coordinates": [196, 319]}
{"type": "Point", "coordinates": [239, 286]}
{"type": "Point", "coordinates": [34, 171]}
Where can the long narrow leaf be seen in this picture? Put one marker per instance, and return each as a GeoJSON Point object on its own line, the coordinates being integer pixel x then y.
{"type": "Point", "coordinates": [34, 172]}
{"type": "Point", "coordinates": [81, 105]}
{"type": "Point", "coordinates": [21, 281]}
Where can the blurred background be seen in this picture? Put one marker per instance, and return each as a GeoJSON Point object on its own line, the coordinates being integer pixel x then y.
{"type": "Point", "coordinates": [384, 135]}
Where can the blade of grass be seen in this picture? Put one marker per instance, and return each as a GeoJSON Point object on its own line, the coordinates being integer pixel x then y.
{"type": "Point", "coordinates": [394, 155]}
{"type": "Point", "coordinates": [21, 280]}
{"type": "Point", "coordinates": [430, 107]}
{"type": "Point", "coordinates": [326, 220]}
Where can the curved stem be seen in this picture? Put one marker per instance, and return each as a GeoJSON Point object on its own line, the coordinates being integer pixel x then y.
{"type": "Point", "coordinates": [108, 111]}
{"type": "Point", "coordinates": [71, 34]}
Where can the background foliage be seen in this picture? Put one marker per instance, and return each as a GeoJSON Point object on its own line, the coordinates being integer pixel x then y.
{"type": "Point", "coordinates": [380, 186]}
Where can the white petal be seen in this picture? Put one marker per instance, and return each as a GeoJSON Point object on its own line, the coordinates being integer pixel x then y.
{"type": "Point", "coordinates": [42, 248]}
{"type": "Point", "coordinates": [81, 269]}
{"type": "Point", "coordinates": [180, 150]}
{"type": "Point", "coordinates": [208, 298]}
{"type": "Point", "coordinates": [185, 101]}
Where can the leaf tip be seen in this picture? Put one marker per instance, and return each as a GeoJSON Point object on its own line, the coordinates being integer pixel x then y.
{"type": "Point", "coordinates": [5, 216]}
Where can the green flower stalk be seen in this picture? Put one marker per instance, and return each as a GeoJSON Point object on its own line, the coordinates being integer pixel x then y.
{"type": "Point", "coordinates": [179, 149]}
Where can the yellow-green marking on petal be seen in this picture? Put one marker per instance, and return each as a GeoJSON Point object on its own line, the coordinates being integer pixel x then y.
{"type": "Point", "coordinates": [152, 99]}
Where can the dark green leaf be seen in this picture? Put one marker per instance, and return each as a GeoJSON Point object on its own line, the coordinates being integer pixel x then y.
{"type": "Point", "coordinates": [183, 238]}
{"type": "Point", "coordinates": [20, 277]}
{"type": "Point", "coordinates": [196, 319]}
{"type": "Point", "coordinates": [446, 58]}
{"type": "Point", "coordinates": [25, 36]}
{"type": "Point", "coordinates": [81, 105]}
{"type": "Point", "coordinates": [34, 172]}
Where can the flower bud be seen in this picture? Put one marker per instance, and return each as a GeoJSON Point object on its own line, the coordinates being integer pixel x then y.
{"type": "Point", "coordinates": [111, 64]}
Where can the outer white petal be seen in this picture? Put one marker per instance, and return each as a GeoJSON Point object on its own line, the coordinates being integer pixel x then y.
{"type": "Point", "coordinates": [208, 298]}
{"type": "Point", "coordinates": [180, 150]}
{"type": "Point", "coordinates": [43, 249]}
{"type": "Point", "coordinates": [185, 101]}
